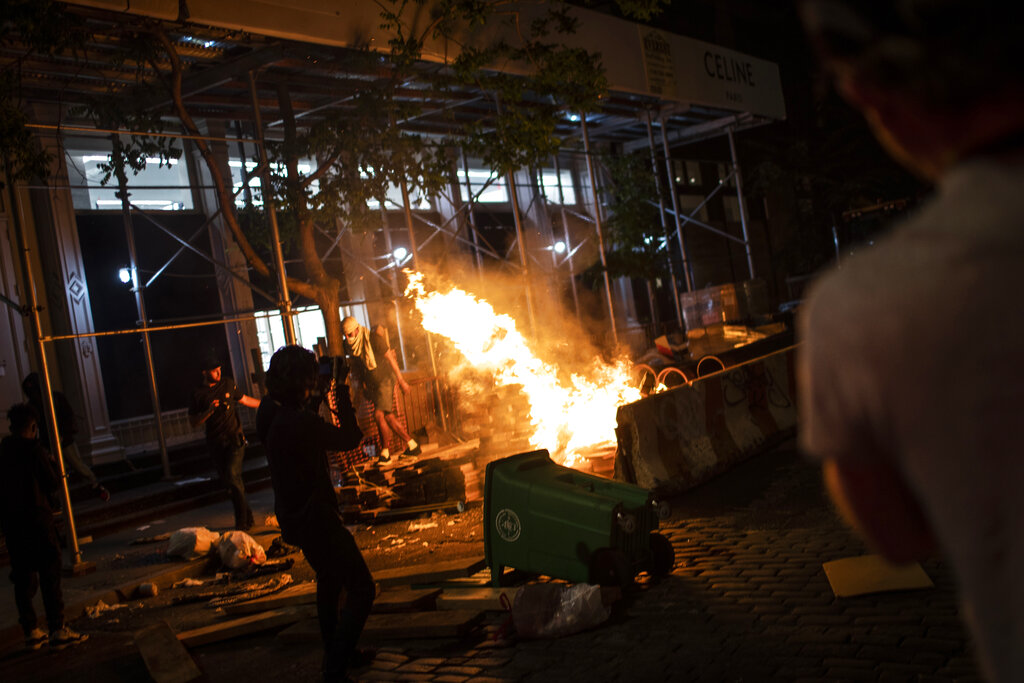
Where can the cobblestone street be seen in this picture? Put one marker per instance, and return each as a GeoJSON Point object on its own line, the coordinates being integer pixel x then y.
{"type": "Point", "coordinates": [747, 601]}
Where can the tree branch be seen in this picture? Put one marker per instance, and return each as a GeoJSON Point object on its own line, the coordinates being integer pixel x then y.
{"type": "Point", "coordinates": [224, 197]}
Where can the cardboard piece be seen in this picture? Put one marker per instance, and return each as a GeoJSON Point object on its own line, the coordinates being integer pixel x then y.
{"type": "Point", "coordinates": [866, 574]}
{"type": "Point", "coordinates": [166, 658]}
{"type": "Point", "coordinates": [254, 623]}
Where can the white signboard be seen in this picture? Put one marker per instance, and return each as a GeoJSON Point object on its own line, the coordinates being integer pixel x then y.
{"type": "Point", "coordinates": [691, 71]}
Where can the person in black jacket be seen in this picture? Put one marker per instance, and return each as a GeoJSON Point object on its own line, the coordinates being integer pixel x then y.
{"type": "Point", "coordinates": [28, 489]}
{"type": "Point", "coordinates": [213, 405]}
{"type": "Point", "coordinates": [296, 441]}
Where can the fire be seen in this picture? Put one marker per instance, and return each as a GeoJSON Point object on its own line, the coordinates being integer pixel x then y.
{"type": "Point", "coordinates": [569, 414]}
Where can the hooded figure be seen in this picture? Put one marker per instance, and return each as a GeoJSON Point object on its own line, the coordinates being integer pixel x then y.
{"type": "Point", "coordinates": [357, 342]}
{"type": "Point", "coordinates": [375, 369]}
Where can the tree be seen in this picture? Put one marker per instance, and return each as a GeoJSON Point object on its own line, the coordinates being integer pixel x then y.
{"type": "Point", "coordinates": [360, 150]}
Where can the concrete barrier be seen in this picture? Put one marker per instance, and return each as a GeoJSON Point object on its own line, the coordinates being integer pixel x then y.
{"type": "Point", "coordinates": [674, 440]}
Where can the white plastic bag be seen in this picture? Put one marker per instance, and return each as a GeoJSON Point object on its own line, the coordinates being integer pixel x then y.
{"type": "Point", "coordinates": [238, 550]}
{"type": "Point", "coordinates": [191, 542]}
{"type": "Point", "coordinates": [552, 610]}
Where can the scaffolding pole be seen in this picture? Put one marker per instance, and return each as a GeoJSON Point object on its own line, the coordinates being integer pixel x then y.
{"type": "Point", "coordinates": [597, 225]}
{"type": "Point", "coordinates": [140, 304]}
{"type": "Point", "coordinates": [568, 243]}
{"type": "Point", "coordinates": [470, 217]}
{"type": "Point", "coordinates": [664, 221]}
{"type": "Point", "coordinates": [77, 565]}
{"type": "Point", "coordinates": [416, 264]}
{"type": "Point", "coordinates": [521, 242]}
{"type": "Point", "coordinates": [739, 200]}
{"type": "Point", "coordinates": [267, 191]}
{"type": "Point", "coordinates": [394, 282]}
{"type": "Point", "coordinates": [687, 273]}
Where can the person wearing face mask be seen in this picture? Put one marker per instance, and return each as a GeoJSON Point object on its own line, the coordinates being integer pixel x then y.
{"type": "Point", "coordinates": [375, 370]}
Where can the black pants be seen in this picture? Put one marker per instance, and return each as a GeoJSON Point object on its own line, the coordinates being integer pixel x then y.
{"type": "Point", "coordinates": [228, 461]}
{"type": "Point", "coordinates": [339, 565]}
{"type": "Point", "coordinates": [35, 565]}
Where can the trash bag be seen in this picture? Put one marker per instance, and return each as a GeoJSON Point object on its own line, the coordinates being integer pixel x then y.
{"type": "Point", "coordinates": [239, 550]}
{"type": "Point", "coordinates": [191, 542]}
{"type": "Point", "coordinates": [553, 610]}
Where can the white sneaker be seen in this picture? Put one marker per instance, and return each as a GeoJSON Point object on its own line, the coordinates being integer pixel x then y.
{"type": "Point", "coordinates": [36, 639]}
{"type": "Point", "coordinates": [61, 638]}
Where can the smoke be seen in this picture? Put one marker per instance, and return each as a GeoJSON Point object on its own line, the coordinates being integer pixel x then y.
{"type": "Point", "coordinates": [571, 394]}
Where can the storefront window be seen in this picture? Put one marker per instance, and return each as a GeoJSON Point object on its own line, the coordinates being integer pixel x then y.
{"type": "Point", "coordinates": [156, 187]}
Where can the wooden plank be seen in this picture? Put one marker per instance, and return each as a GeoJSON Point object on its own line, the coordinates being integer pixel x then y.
{"type": "Point", "coordinates": [384, 513]}
{"type": "Point", "coordinates": [488, 599]}
{"type": "Point", "coordinates": [166, 658]}
{"type": "Point", "coordinates": [446, 624]}
{"type": "Point", "coordinates": [427, 573]}
{"type": "Point", "coordinates": [301, 594]}
{"type": "Point", "coordinates": [481, 579]}
{"type": "Point", "coordinates": [253, 623]}
{"type": "Point", "coordinates": [406, 600]}
{"type": "Point", "coordinates": [437, 624]}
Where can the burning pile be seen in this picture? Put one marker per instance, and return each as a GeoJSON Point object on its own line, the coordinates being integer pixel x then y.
{"type": "Point", "coordinates": [568, 413]}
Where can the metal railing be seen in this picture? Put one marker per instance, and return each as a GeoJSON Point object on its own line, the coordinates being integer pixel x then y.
{"type": "Point", "coordinates": [139, 434]}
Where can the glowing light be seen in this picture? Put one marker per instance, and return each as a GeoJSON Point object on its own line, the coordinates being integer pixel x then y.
{"type": "Point", "coordinates": [400, 253]}
{"type": "Point", "coordinates": [569, 413]}
{"type": "Point", "coordinates": [124, 275]}
{"type": "Point", "coordinates": [559, 247]}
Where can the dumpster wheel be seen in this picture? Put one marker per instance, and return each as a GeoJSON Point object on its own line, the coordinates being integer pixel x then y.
{"type": "Point", "coordinates": [608, 567]}
{"type": "Point", "coordinates": [663, 555]}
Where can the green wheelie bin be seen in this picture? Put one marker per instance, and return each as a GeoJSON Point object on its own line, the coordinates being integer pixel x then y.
{"type": "Point", "coordinates": [543, 518]}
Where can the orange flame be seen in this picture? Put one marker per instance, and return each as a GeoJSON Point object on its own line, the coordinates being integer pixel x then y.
{"type": "Point", "coordinates": [568, 415]}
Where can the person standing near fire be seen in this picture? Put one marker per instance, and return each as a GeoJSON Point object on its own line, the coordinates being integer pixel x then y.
{"type": "Point", "coordinates": [213, 404]}
{"type": "Point", "coordinates": [297, 440]}
{"type": "Point", "coordinates": [375, 370]}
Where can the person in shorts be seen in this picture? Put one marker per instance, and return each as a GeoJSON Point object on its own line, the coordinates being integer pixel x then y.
{"type": "Point", "coordinates": [375, 370]}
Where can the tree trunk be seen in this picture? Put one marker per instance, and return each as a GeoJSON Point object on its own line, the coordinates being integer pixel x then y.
{"type": "Point", "coordinates": [332, 322]}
